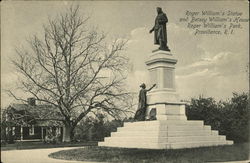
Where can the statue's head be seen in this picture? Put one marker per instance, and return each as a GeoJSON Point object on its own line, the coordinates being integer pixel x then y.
{"type": "Point", "coordinates": [143, 85]}
{"type": "Point", "coordinates": [159, 10]}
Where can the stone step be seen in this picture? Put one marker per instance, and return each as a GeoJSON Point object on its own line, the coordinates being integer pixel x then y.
{"type": "Point", "coordinates": [171, 117]}
{"type": "Point", "coordinates": [215, 132]}
{"type": "Point", "coordinates": [165, 139]}
{"type": "Point", "coordinates": [167, 122]}
{"type": "Point", "coordinates": [133, 145]}
{"type": "Point", "coordinates": [196, 138]}
{"type": "Point", "coordinates": [198, 144]}
{"type": "Point", "coordinates": [157, 133]}
{"type": "Point", "coordinates": [164, 127]}
{"type": "Point", "coordinates": [164, 145]}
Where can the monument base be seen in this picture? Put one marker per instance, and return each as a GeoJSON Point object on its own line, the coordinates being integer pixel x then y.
{"type": "Point", "coordinates": [171, 130]}
{"type": "Point", "coordinates": [161, 96]}
{"type": "Point", "coordinates": [167, 111]}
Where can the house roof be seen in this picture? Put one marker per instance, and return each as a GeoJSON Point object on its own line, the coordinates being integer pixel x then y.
{"type": "Point", "coordinates": [20, 107]}
{"type": "Point", "coordinates": [44, 115]}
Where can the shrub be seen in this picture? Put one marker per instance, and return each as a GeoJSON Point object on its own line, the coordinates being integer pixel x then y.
{"type": "Point", "coordinates": [92, 129]}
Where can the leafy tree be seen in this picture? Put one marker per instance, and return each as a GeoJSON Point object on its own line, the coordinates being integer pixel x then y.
{"type": "Point", "coordinates": [229, 117]}
{"type": "Point", "coordinates": [236, 118]}
{"type": "Point", "coordinates": [74, 69]}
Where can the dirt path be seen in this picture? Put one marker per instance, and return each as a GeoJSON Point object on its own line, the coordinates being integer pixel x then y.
{"type": "Point", "coordinates": [41, 156]}
{"type": "Point", "coordinates": [34, 156]}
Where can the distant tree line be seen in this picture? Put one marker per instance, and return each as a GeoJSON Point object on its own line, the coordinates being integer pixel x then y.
{"type": "Point", "coordinates": [230, 117]}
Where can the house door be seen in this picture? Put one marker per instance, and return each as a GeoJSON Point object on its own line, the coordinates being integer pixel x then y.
{"type": "Point", "coordinates": [44, 133]}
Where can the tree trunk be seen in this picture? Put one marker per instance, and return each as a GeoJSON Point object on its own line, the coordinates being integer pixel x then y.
{"type": "Point", "coordinates": [67, 131]}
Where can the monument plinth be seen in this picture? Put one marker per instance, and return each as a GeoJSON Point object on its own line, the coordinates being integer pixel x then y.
{"type": "Point", "coordinates": [164, 98]}
{"type": "Point", "coordinates": [161, 66]}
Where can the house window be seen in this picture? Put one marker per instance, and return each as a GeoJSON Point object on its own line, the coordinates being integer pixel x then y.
{"type": "Point", "coordinates": [13, 130]}
{"type": "Point", "coordinates": [32, 130]}
{"type": "Point", "coordinates": [7, 116]}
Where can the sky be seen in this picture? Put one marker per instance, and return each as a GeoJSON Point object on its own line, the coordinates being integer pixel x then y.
{"type": "Point", "coordinates": [208, 65]}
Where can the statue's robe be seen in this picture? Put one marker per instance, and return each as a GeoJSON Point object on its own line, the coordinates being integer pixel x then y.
{"type": "Point", "coordinates": [142, 105]}
{"type": "Point", "coordinates": [160, 31]}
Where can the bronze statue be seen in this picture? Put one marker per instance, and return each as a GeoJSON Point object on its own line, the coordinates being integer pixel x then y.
{"type": "Point", "coordinates": [160, 30]}
{"type": "Point", "coordinates": [141, 111]}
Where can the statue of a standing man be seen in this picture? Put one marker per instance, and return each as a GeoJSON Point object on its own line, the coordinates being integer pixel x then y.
{"type": "Point", "coordinates": [160, 30]}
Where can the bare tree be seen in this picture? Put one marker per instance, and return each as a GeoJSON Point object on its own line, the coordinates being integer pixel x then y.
{"type": "Point", "coordinates": [73, 69]}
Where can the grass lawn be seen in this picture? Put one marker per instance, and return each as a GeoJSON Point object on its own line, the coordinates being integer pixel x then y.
{"type": "Point", "coordinates": [121, 155]}
{"type": "Point", "coordinates": [40, 145]}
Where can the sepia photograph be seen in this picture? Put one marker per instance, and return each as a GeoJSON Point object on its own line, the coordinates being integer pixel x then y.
{"type": "Point", "coordinates": [125, 81]}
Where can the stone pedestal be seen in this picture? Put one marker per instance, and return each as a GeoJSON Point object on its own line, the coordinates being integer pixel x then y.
{"type": "Point", "coordinates": [164, 98]}
{"type": "Point", "coordinates": [171, 129]}
{"type": "Point", "coordinates": [161, 66]}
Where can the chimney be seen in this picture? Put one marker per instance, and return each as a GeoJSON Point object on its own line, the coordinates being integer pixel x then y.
{"type": "Point", "coordinates": [31, 101]}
